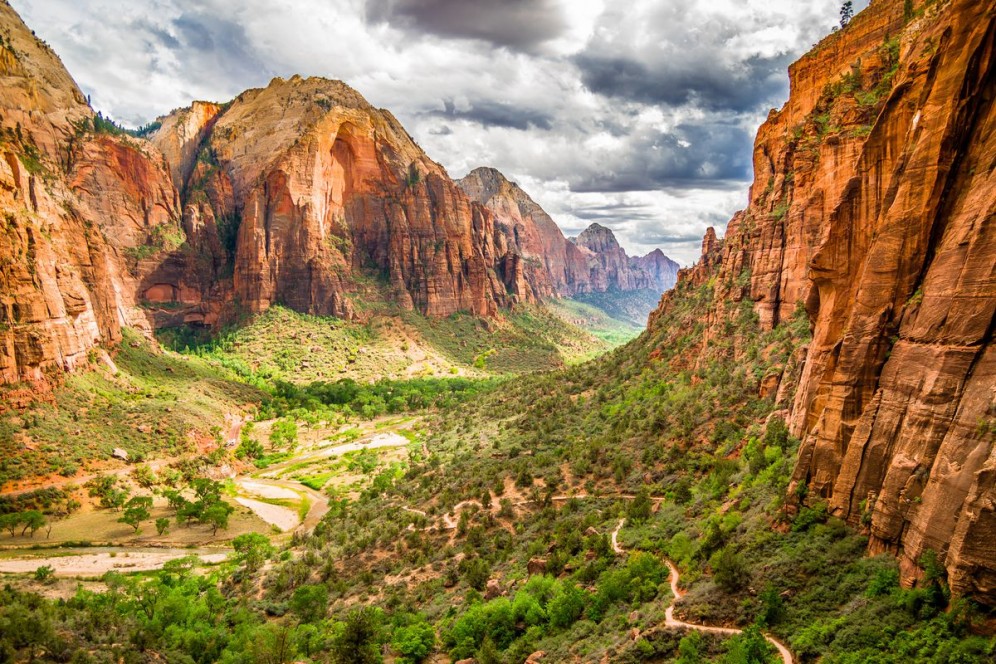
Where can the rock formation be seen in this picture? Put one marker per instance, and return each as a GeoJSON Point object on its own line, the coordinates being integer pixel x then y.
{"type": "Point", "coordinates": [85, 213]}
{"type": "Point", "coordinates": [874, 209]}
{"type": "Point", "coordinates": [662, 271]}
{"type": "Point", "coordinates": [555, 265]}
{"type": "Point", "coordinates": [308, 187]}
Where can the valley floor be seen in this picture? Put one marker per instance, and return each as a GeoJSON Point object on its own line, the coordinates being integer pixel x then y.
{"type": "Point", "coordinates": [440, 519]}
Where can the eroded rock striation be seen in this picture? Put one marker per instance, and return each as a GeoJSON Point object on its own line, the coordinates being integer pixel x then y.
{"type": "Point", "coordinates": [873, 209]}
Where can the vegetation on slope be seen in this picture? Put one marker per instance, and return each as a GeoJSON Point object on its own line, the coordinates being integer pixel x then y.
{"type": "Point", "coordinates": [152, 405]}
{"type": "Point", "coordinates": [282, 344]}
{"type": "Point", "coordinates": [493, 540]}
{"type": "Point", "coordinates": [612, 330]}
{"type": "Point", "coordinates": [629, 307]}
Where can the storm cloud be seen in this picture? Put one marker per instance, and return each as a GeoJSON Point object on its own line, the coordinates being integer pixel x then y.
{"type": "Point", "coordinates": [497, 114]}
{"type": "Point", "coordinates": [752, 86]}
{"type": "Point", "coordinates": [516, 24]}
{"type": "Point", "coordinates": [638, 115]}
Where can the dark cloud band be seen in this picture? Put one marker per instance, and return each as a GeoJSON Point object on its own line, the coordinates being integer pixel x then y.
{"type": "Point", "coordinates": [516, 24]}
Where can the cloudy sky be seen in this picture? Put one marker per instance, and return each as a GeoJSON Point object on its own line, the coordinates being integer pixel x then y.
{"type": "Point", "coordinates": [639, 115]}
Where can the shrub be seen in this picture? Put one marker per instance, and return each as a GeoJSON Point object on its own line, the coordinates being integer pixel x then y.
{"type": "Point", "coordinates": [45, 574]}
{"type": "Point", "coordinates": [729, 569]}
{"type": "Point", "coordinates": [414, 642]}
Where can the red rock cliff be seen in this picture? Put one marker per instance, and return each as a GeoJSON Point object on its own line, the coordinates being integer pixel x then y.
{"type": "Point", "coordinates": [84, 213]}
{"type": "Point", "coordinates": [315, 188]}
{"type": "Point", "coordinates": [874, 207]}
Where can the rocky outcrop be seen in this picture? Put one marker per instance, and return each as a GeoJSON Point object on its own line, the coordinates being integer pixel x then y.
{"type": "Point", "coordinates": [180, 137]}
{"type": "Point", "coordinates": [85, 212]}
{"type": "Point", "coordinates": [558, 266]}
{"type": "Point", "coordinates": [874, 210]}
{"type": "Point", "coordinates": [555, 267]}
{"type": "Point", "coordinates": [662, 270]}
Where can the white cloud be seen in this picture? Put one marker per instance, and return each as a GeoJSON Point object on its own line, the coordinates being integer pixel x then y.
{"type": "Point", "coordinates": [638, 114]}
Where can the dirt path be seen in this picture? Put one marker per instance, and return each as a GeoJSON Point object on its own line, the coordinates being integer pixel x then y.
{"type": "Point", "coordinates": [615, 538]}
{"type": "Point", "coordinates": [563, 498]}
{"type": "Point", "coordinates": [671, 621]}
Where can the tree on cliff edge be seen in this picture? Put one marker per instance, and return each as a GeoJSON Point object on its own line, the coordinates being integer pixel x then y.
{"type": "Point", "coordinates": [846, 13]}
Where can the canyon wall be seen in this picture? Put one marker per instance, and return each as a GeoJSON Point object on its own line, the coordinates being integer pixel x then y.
{"type": "Point", "coordinates": [85, 214]}
{"type": "Point", "coordinates": [873, 209]}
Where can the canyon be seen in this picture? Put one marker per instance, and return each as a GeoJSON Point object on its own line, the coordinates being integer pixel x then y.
{"type": "Point", "coordinates": [871, 215]}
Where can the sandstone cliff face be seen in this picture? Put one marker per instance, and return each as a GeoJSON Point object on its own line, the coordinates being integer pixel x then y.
{"type": "Point", "coordinates": [555, 265]}
{"type": "Point", "coordinates": [874, 208]}
{"type": "Point", "coordinates": [83, 214]}
{"type": "Point", "coordinates": [317, 188]}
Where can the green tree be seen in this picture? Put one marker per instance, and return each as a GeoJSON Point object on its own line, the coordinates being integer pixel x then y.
{"type": "Point", "coordinates": [310, 602]}
{"type": "Point", "coordinates": [772, 607]}
{"type": "Point", "coordinates": [272, 644]}
{"type": "Point", "coordinates": [252, 550]}
{"type": "Point", "coordinates": [690, 649]}
{"type": "Point", "coordinates": [249, 449]}
{"type": "Point", "coordinates": [162, 526]}
{"type": "Point", "coordinates": [137, 510]}
{"type": "Point", "coordinates": [729, 570]}
{"type": "Point", "coordinates": [640, 507]}
{"type": "Point", "coordinates": [188, 511]}
{"type": "Point", "coordinates": [846, 13]}
{"type": "Point", "coordinates": [566, 606]}
{"type": "Point", "coordinates": [476, 572]}
{"type": "Point", "coordinates": [174, 498]}
{"type": "Point", "coordinates": [749, 647]}
{"type": "Point", "coordinates": [216, 515]}
{"type": "Point", "coordinates": [284, 433]}
{"type": "Point", "coordinates": [105, 489]}
{"type": "Point", "coordinates": [45, 574]}
{"type": "Point", "coordinates": [357, 640]}
{"type": "Point", "coordinates": [414, 642]}
{"type": "Point", "coordinates": [32, 520]}
{"type": "Point", "coordinates": [10, 522]}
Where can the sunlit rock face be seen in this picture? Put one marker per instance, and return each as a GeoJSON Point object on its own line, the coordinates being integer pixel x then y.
{"type": "Point", "coordinates": [873, 208]}
{"type": "Point", "coordinates": [84, 216]}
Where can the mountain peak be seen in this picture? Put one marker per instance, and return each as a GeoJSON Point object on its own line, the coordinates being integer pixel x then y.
{"type": "Point", "coordinates": [598, 238]}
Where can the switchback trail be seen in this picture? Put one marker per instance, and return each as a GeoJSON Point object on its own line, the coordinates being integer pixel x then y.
{"type": "Point", "coordinates": [671, 621]}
